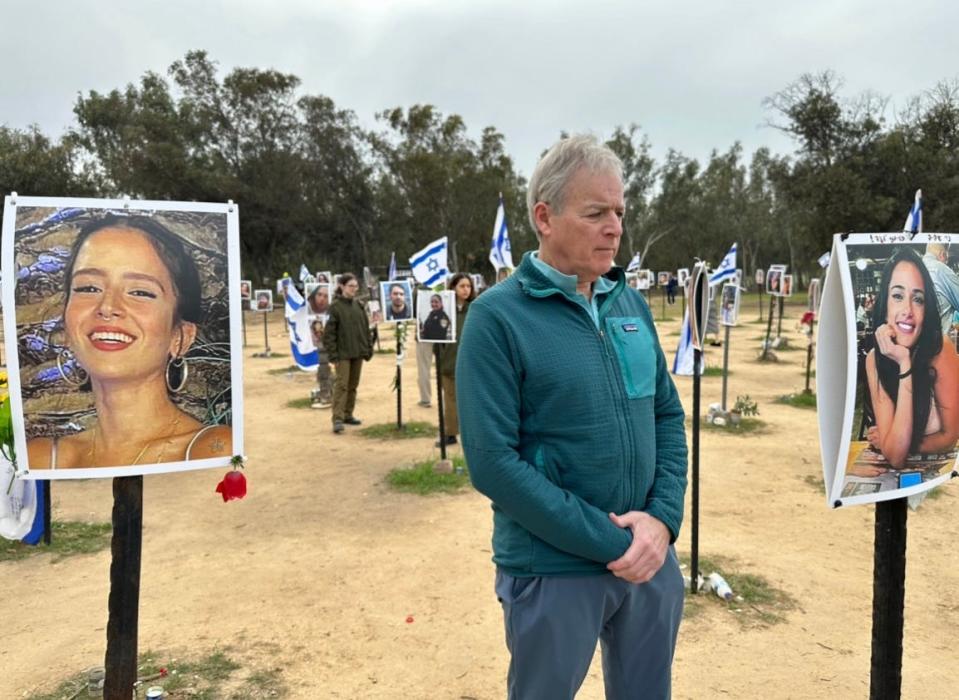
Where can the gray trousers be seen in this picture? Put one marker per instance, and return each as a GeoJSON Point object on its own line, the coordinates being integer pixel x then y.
{"type": "Point", "coordinates": [424, 358]}
{"type": "Point", "coordinates": [554, 622]}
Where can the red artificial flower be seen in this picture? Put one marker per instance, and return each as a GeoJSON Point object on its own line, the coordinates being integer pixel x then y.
{"type": "Point", "coordinates": [232, 486]}
{"type": "Point", "coordinates": [808, 318]}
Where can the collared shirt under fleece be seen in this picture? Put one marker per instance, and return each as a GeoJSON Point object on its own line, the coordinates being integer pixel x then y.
{"type": "Point", "coordinates": [566, 418]}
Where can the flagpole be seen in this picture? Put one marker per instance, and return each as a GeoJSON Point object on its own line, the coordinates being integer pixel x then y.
{"type": "Point", "coordinates": [694, 550]}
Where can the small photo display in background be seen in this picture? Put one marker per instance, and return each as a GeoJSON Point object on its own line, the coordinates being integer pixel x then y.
{"type": "Point", "coordinates": [682, 274]}
{"type": "Point", "coordinates": [632, 280]}
{"type": "Point", "coordinates": [436, 316]}
{"type": "Point", "coordinates": [262, 300]}
{"type": "Point", "coordinates": [760, 277]}
{"type": "Point", "coordinates": [317, 327]}
{"type": "Point", "coordinates": [774, 280]}
{"type": "Point", "coordinates": [787, 286]}
{"type": "Point", "coordinates": [281, 286]}
{"type": "Point", "coordinates": [318, 297]}
{"type": "Point", "coordinates": [662, 279]}
{"type": "Point", "coordinates": [814, 295]}
{"type": "Point", "coordinates": [739, 276]}
{"type": "Point", "coordinates": [397, 300]}
{"type": "Point", "coordinates": [123, 335]}
{"type": "Point", "coordinates": [246, 290]}
{"type": "Point", "coordinates": [375, 312]}
{"type": "Point", "coordinates": [729, 304]}
{"type": "Point", "coordinates": [325, 276]}
{"type": "Point", "coordinates": [887, 367]}
{"type": "Point", "coordinates": [646, 279]}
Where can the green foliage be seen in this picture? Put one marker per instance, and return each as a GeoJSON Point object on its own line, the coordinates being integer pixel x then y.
{"type": "Point", "coordinates": [798, 400]}
{"type": "Point", "coordinates": [421, 479]}
{"type": "Point", "coordinates": [756, 602]}
{"type": "Point", "coordinates": [410, 429]}
{"type": "Point", "coordinates": [317, 188]}
{"type": "Point", "coordinates": [746, 406]}
{"type": "Point", "coordinates": [66, 539]}
{"type": "Point", "coordinates": [745, 426]}
{"type": "Point", "coordinates": [302, 402]}
{"type": "Point", "coordinates": [715, 372]}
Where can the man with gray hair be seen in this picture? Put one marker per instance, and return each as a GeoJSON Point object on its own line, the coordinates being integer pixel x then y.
{"type": "Point", "coordinates": [946, 282]}
{"type": "Point", "coordinates": [572, 427]}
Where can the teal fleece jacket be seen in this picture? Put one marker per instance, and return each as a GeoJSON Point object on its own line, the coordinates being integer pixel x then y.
{"type": "Point", "coordinates": [563, 422]}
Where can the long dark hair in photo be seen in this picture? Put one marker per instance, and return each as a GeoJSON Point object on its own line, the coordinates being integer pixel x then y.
{"type": "Point", "coordinates": [928, 345]}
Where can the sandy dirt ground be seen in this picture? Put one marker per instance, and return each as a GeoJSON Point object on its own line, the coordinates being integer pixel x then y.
{"type": "Point", "coordinates": [317, 571]}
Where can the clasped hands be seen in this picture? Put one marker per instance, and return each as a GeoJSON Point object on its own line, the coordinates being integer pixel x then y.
{"type": "Point", "coordinates": [646, 553]}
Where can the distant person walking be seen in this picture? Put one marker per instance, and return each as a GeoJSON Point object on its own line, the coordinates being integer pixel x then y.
{"type": "Point", "coordinates": [347, 343]}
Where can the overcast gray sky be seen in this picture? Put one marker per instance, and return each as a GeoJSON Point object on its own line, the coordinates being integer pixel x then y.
{"type": "Point", "coordinates": [692, 74]}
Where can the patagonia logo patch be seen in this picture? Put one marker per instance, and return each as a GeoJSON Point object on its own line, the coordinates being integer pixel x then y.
{"type": "Point", "coordinates": [630, 328]}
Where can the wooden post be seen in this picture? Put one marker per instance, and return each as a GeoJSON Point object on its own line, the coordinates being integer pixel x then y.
{"type": "Point", "coordinates": [888, 595]}
{"type": "Point", "coordinates": [266, 336]}
{"type": "Point", "coordinates": [121, 657]}
{"type": "Point", "coordinates": [243, 317]}
{"type": "Point", "coordinates": [779, 326]}
{"type": "Point", "coordinates": [725, 364]}
{"type": "Point", "coordinates": [812, 330]}
{"type": "Point", "coordinates": [47, 515]}
{"type": "Point", "coordinates": [439, 396]}
{"type": "Point", "coordinates": [399, 379]}
{"type": "Point", "coordinates": [760, 302]}
{"type": "Point", "coordinates": [769, 326]}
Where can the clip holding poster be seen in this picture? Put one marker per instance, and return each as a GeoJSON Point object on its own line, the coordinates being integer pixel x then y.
{"type": "Point", "coordinates": [886, 353]}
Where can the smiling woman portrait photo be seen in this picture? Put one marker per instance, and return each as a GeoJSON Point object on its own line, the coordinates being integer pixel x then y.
{"type": "Point", "coordinates": [130, 355]}
{"type": "Point", "coordinates": [911, 372]}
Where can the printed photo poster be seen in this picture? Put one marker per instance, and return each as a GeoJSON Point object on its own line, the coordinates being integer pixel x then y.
{"type": "Point", "coordinates": [262, 300]}
{"type": "Point", "coordinates": [729, 304]}
{"type": "Point", "coordinates": [318, 297]}
{"type": "Point", "coordinates": [889, 424]}
{"type": "Point", "coordinates": [786, 287]}
{"type": "Point", "coordinates": [435, 316]}
{"type": "Point", "coordinates": [246, 290]}
{"type": "Point", "coordinates": [324, 277]}
{"type": "Point", "coordinates": [281, 286]}
{"type": "Point", "coordinates": [122, 303]}
{"type": "Point", "coordinates": [632, 280]}
{"type": "Point", "coordinates": [662, 279]}
{"type": "Point", "coordinates": [646, 280]}
{"type": "Point", "coordinates": [774, 280]}
{"type": "Point", "coordinates": [760, 277]}
{"type": "Point", "coordinates": [375, 311]}
{"type": "Point", "coordinates": [813, 295]}
{"type": "Point", "coordinates": [682, 274]}
{"type": "Point", "coordinates": [397, 299]}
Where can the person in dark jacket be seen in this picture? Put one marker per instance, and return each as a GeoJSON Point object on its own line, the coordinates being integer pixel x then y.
{"type": "Point", "coordinates": [347, 343]}
{"type": "Point", "coordinates": [462, 286]}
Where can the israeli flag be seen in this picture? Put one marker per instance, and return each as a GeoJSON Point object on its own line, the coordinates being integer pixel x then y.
{"type": "Point", "coordinates": [500, 253]}
{"type": "Point", "coordinates": [391, 273]}
{"type": "Point", "coordinates": [824, 259]}
{"type": "Point", "coordinates": [914, 218]}
{"type": "Point", "coordinates": [429, 265]}
{"type": "Point", "coordinates": [683, 362]}
{"type": "Point", "coordinates": [304, 273]}
{"type": "Point", "coordinates": [297, 315]}
{"type": "Point", "coordinates": [726, 271]}
{"type": "Point", "coordinates": [634, 264]}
